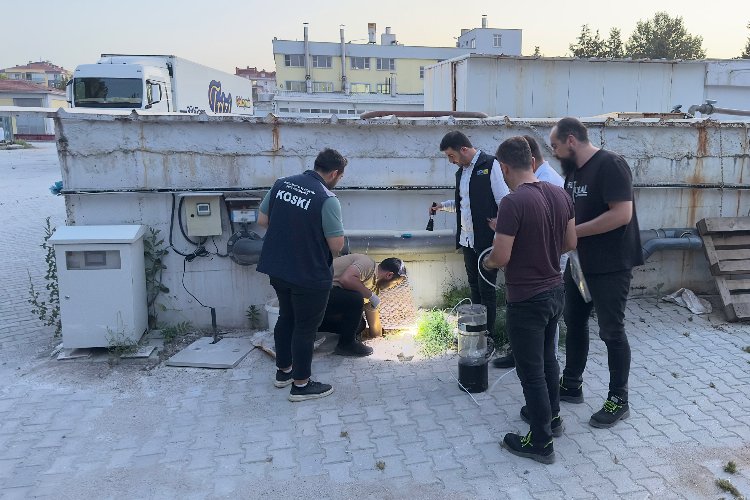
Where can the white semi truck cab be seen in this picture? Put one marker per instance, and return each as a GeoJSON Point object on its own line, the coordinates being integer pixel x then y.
{"type": "Point", "coordinates": [158, 83]}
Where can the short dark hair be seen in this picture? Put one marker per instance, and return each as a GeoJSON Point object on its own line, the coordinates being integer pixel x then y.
{"type": "Point", "coordinates": [395, 266]}
{"type": "Point", "coordinates": [515, 152]}
{"type": "Point", "coordinates": [329, 160]}
{"type": "Point", "coordinates": [455, 140]}
{"type": "Point", "coordinates": [534, 146]}
{"type": "Point", "coordinates": [572, 126]}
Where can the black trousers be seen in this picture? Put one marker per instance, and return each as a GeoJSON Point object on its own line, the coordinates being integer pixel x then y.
{"type": "Point", "coordinates": [609, 293]}
{"type": "Point", "coordinates": [343, 314]}
{"type": "Point", "coordinates": [481, 291]}
{"type": "Point", "coordinates": [531, 325]}
{"type": "Point", "coordinates": [300, 314]}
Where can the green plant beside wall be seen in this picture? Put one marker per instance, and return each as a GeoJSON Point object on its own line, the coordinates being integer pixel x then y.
{"type": "Point", "coordinates": [171, 332]}
{"type": "Point", "coordinates": [434, 333]}
{"type": "Point", "coordinates": [154, 251]}
{"type": "Point", "coordinates": [253, 316]}
{"type": "Point", "coordinates": [47, 308]}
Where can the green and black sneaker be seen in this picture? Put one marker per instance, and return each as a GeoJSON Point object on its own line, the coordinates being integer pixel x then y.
{"type": "Point", "coordinates": [614, 409]}
{"type": "Point", "coordinates": [571, 395]}
{"type": "Point", "coordinates": [522, 446]}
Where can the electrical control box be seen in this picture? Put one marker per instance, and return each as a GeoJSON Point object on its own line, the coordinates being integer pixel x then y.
{"type": "Point", "coordinates": [202, 213]}
{"type": "Point", "coordinates": [243, 210]}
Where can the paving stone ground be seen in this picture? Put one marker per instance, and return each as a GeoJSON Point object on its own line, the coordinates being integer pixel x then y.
{"type": "Point", "coordinates": [89, 428]}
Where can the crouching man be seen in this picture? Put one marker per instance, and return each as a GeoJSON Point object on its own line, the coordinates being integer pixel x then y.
{"type": "Point", "coordinates": [357, 280]}
{"type": "Point", "coordinates": [535, 225]}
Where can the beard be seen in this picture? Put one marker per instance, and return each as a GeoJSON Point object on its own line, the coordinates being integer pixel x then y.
{"type": "Point", "coordinates": [568, 166]}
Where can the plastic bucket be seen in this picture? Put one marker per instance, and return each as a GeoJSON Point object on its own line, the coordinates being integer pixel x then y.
{"type": "Point", "coordinates": [272, 308]}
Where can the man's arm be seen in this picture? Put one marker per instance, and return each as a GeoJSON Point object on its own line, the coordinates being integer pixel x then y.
{"type": "Point", "coordinates": [500, 254]}
{"type": "Point", "coordinates": [352, 280]}
{"type": "Point", "coordinates": [264, 209]}
{"type": "Point", "coordinates": [336, 244]}
{"type": "Point", "coordinates": [446, 206]}
{"type": "Point", "coordinates": [571, 239]}
{"type": "Point", "coordinates": [619, 214]}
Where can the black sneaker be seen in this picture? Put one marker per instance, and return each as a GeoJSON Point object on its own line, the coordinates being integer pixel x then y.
{"type": "Point", "coordinates": [313, 390]}
{"type": "Point", "coordinates": [355, 349]}
{"type": "Point", "coordinates": [614, 409]}
{"type": "Point", "coordinates": [507, 361]}
{"type": "Point", "coordinates": [522, 446]}
{"type": "Point", "coordinates": [283, 379]}
{"type": "Point", "coordinates": [571, 395]}
{"type": "Point", "coordinates": [557, 423]}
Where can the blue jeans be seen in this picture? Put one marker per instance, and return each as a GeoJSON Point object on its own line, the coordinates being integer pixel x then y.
{"type": "Point", "coordinates": [300, 314]}
{"type": "Point", "coordinates": [609, 294]}
{"type": "Point", "coordinates": [531, 326]}
{"type": "Point", "coordinates": [481, 291]}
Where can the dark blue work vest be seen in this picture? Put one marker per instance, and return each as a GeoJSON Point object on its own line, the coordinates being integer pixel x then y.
{"type": "Point", "coordinates": [295, 248]}
{"type": "Point", "coordinates": [481, 201]}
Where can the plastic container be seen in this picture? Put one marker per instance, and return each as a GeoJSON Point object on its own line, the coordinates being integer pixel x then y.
{"type": "Point", "coordinates": [472, 347]}
{"type": "Point", "coordinates": [272, 308]}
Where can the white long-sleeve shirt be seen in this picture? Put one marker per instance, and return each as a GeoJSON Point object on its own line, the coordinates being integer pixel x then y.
{"type": "Point", "coordinates": [499, 189]}
{"type": "Point", "coordinates": [546, 173]}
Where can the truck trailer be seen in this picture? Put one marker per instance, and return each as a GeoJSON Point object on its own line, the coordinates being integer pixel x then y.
{"type": "Point", "coordinates": [158, 83]}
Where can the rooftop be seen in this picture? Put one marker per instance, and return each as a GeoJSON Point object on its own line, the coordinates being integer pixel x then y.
{"type": "Point", "coordinates": [22, 86]}
{"type": "Point", "coordinates": [45, 66]}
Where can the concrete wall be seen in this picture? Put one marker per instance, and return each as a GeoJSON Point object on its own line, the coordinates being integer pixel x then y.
{"type": "Point", "coordinates": [121, 168]}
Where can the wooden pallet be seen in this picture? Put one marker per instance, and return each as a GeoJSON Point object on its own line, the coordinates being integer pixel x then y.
{"type": "Point", "coordinates": [726, 241]}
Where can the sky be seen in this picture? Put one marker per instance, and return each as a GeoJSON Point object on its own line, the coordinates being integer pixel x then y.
{"type": "Point", "coordinates": [226, 34]}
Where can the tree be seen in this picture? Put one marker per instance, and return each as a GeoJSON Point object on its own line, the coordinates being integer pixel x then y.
{"type": "Point", "coordinates": [594, 46]}
{"type": "Point", "coordinates": [587, 45]}
{"type": "Point", "coordinates": [537, 52]}
{"type": "Point", "coordinates": [62, 83]}
{"type": "Point", "coordinates": [613, 45]}
{"type": "Point", "coordinates": [746, 53]}
{"type": "Point", "coordinates": [664, 37]}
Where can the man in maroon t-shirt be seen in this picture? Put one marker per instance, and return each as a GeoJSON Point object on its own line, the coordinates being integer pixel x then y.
{"type": "Point", "coordinates": [535, 225]}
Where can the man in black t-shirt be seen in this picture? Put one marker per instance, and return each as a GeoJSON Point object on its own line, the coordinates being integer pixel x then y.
{"type": "Point", "coordinates": [609, 246]}
{"type": "Point", "coordinates": [535, 224]}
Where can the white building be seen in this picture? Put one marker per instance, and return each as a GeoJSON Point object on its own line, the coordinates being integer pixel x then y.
{"type": "Point", "coordinates": [548, 87]}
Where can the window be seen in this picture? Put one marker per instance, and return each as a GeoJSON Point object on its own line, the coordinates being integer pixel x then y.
{"type": "Point", "coordinates": [295, 86]}
{"type": "Point", "coordinates": [359, 62]}
{"type": "Point", "coordinates": [322, 87]}
{"type": "Point", "coordinates": [473, 43]}
{"type": "Point", "coordinates": [386, 64]}
{"type": "Point", "coordinates": [359, 88]}
{"type": "Point", "coordinates": [497, 40]}
{"type": "Point", "coordinates": [421, 72]}
{"type": "Point", "coordinates": [321, 61]}
{"type": "Point", "coordinates": [384, 88]}
{"type": "Point", "coordinates": [294, 60]}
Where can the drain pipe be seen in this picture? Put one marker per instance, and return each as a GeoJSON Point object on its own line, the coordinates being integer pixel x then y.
{"type": "Point", "coordinates": [654, 240]}
{"type": "Point", "coordinates": [399, 243]}
{"type": "Point", "coordinates": [344, 82]}
{"type": "Point", "coordinates": [308, 79]}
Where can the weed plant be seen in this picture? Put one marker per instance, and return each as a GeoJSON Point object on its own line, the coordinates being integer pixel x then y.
{"type": "Point", "coordinates": [434, 333]}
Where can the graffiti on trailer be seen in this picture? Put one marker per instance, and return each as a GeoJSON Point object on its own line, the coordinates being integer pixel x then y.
{"type": "Point", "coordinates": [218, 101]}
{"type": "Point", "coordinates": [243, 102]}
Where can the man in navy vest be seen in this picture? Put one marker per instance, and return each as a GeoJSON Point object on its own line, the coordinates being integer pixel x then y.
{"type": "Point", "coordinates": [479, 189]}
{"type": "Point", "coordinates": [303, 218]}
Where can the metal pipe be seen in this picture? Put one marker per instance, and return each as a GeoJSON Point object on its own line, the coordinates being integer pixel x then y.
{"type": "Point", "coordinates": [344, 82]}
{"type": "Point", "coordinates": [402, 243]}
{"type": "Point", "coordinates": [423, 114]}
{"type": "Point", "coordinates": [670, 185]}
{"type": "Point", "coordinates": [308, 80]}
{"type": "Point", "coordinates": [708, 108]}
{"type": "Point", "coordinates": [654, 240]}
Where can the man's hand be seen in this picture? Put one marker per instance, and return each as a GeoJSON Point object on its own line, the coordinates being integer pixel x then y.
{"type": "Point", "coordinates": [485, 264]}
{"type": "Point", "coordinates": [435, 207]}
{"type": "Point", "coordinates": [492, 223]}
{"type": "Point", "coordinates": [374, 301]}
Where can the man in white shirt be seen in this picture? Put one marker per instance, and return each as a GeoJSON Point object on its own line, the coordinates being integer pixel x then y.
{"type": "Point", "coordinates": [479, 189]}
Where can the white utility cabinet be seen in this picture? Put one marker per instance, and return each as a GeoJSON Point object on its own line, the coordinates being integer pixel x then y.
{"type": "Point", "coordinates": [102, 284]}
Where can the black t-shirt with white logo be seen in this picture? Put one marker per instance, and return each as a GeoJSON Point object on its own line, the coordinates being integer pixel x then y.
{"type": "Point", "coordinates": [604, 179]}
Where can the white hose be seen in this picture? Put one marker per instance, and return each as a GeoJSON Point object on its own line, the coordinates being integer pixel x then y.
{"type": "Point", "coordinates": [479, 269]}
